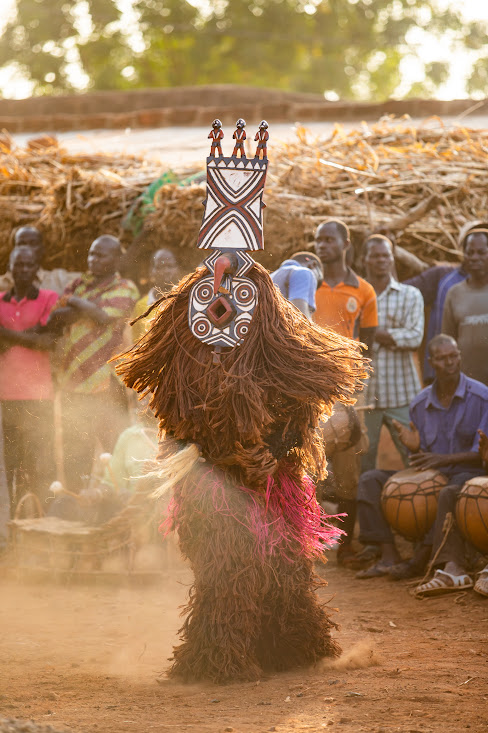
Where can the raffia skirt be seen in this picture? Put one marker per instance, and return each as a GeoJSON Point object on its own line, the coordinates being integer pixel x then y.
{"type": "Point", "coordinates": [253, 606]}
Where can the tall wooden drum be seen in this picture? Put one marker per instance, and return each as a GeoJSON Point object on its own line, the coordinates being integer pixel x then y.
{"type": "Point", "coordinates": [409, 501]}
{"type": "Point", "coordinates": [472, 512]}
{"type": "Point", "coordinates": [341, 430]}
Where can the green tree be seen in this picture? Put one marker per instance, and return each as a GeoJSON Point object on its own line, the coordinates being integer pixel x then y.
{"type": "Point", "coordinates": [353, 48]}
{"type": "Point", "coordinates": [44, 39]}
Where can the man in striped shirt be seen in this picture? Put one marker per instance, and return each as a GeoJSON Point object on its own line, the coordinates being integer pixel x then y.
{"type": "Point", "coordinates": [395, 380]}
{"type": "Point", "coordinates": [94, 311]}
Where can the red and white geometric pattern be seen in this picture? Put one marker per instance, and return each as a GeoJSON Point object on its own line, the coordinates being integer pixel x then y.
{"type": "Point", "coordinates": [233, 217]}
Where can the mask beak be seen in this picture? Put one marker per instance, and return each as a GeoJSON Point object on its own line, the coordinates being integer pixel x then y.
{"type": "Point", "coordinates": [225, 264]}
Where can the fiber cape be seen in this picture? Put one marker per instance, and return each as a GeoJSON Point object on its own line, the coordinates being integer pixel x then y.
{"type": "Point", "coordinates": [244, 506]}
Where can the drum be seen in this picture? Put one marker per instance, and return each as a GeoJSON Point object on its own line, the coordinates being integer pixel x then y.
{"type": "Point", "coordinates": [409, 501]}
{"type": "Point", "coordinates": [472, 512]}
{"type": "Point", "coordinates": [341, 430]}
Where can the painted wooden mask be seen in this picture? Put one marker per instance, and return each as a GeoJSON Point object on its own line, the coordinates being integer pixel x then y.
{"type": "Point", "coordinates": [222, 303]}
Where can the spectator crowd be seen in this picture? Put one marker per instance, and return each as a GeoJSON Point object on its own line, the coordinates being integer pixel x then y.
{"type": "Point", "coordinates": [436, 409]}
{"type": "Point", "coordinates": [61, 399]}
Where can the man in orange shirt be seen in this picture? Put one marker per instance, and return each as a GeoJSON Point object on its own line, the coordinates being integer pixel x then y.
{"type": "Point", "coordinates": [347, 304]}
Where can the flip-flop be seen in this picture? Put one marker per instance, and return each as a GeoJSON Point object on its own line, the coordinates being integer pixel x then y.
{"type": "Point", "coordinates": [443, 582]}
{"type": "Point", "coordinates": [375, 571]}
{"type": "Point", "coordinates": [481, 585]}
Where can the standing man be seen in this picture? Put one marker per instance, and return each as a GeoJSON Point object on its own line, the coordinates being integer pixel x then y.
{"type": "Point", "coordinates": [163, 274]}
{"type": "Point", "coordinates": [465, 316]}
{"type": "Point", "coordinates": [26, 387]}
{"type": "Point", "coordinates": [347, 304]}
{"type": "Point", "coordinates": [434, 284]}
{"type": "Point", "coordinates": [95, 310]}
{"type": "Point", "coordinates": [298, 279]}
{"type": "Point", "coordinates": [56, 279]}
{"type": "Point", "coordinates": [394, 381]}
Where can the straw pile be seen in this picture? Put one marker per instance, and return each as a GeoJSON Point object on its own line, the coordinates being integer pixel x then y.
{"type": "Point", "coordinates": [72, 198]}
{"type": "Point", "coordinates": [423, 183]}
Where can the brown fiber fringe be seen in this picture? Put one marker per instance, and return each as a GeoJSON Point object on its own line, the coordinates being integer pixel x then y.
{"type": "Point", "coordinates": [247, 614]}
{"type": "Point", "coordinates": [271, 389]}
{"type": "Point", "coordinates": [252, 608]}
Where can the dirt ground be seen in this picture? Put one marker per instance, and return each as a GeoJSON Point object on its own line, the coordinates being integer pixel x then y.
{"type": "Point", "coordinates": [89, 658]}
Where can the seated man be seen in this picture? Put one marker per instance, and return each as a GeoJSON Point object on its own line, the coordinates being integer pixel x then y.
{"type": "Point", "coordinates": [123, 471]}
{"type": "Point", "coordinates": [298, 279]}
{"type": "Point", "coordinates": [55, 280]}
{"type": "Point", "coordinates": [452, 555]}
{"type": "Point", "coordinates": [134, 453]}
{"type": "Point", "coordinates": [443, 435]}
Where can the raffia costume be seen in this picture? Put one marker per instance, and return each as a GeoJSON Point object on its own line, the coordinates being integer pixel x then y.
{"type": "Point", "coordinates": [239, 379]}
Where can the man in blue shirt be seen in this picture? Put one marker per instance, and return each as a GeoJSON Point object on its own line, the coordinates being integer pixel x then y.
{"type": "Point", "coordinates": [298, 279]}
{"type": "Point", "coordinates": [443, 434]}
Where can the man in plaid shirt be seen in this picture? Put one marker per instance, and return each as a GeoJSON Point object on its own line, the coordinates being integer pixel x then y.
{"type": "Point", "coordinates": [395, 380]}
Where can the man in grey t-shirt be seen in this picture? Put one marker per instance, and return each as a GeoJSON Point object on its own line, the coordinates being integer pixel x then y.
{"type": "Point", "coordinates": [465, 315]}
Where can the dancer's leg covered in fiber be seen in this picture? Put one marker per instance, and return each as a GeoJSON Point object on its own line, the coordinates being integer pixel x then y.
{"type": "Point", "coordinates": [296, 629]}
{"type": "Point", "coordinates": [224, 615]}
{"type": "Point", "coordinates": [253, 605]}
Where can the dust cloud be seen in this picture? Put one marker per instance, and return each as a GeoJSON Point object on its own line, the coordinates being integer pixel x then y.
{"type": "Point", "coordinates": [362, 654]}
{"type": "Point", "coordinates": [119, 629]}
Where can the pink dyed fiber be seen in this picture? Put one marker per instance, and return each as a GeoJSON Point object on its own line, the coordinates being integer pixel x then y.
{"type": "Point", "coordinates": [287, 519]}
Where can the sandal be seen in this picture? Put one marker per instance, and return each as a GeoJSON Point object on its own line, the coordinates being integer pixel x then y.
{"type": "Point", "coordinates": [443, 582]}
{"type": "Point", "coordinates": [375, 571]}
{"type": "Point", "coordinates": [481, 585]}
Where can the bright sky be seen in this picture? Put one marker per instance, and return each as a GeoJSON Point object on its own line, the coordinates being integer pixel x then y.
{"type": "Point", "coordinates": [425, 49]}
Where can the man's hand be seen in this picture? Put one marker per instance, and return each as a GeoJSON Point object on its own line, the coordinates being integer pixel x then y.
{"type": "Point", "coordinates": [423, 461]}
{"type": "Point", "coordinates": [89, 309]}
{"type": "Point", "coordinates": [483, 446]}
{"type": "Point", "coordinates": [384, 338]}
{"type": "Point", "coordinates": [409, 436]}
